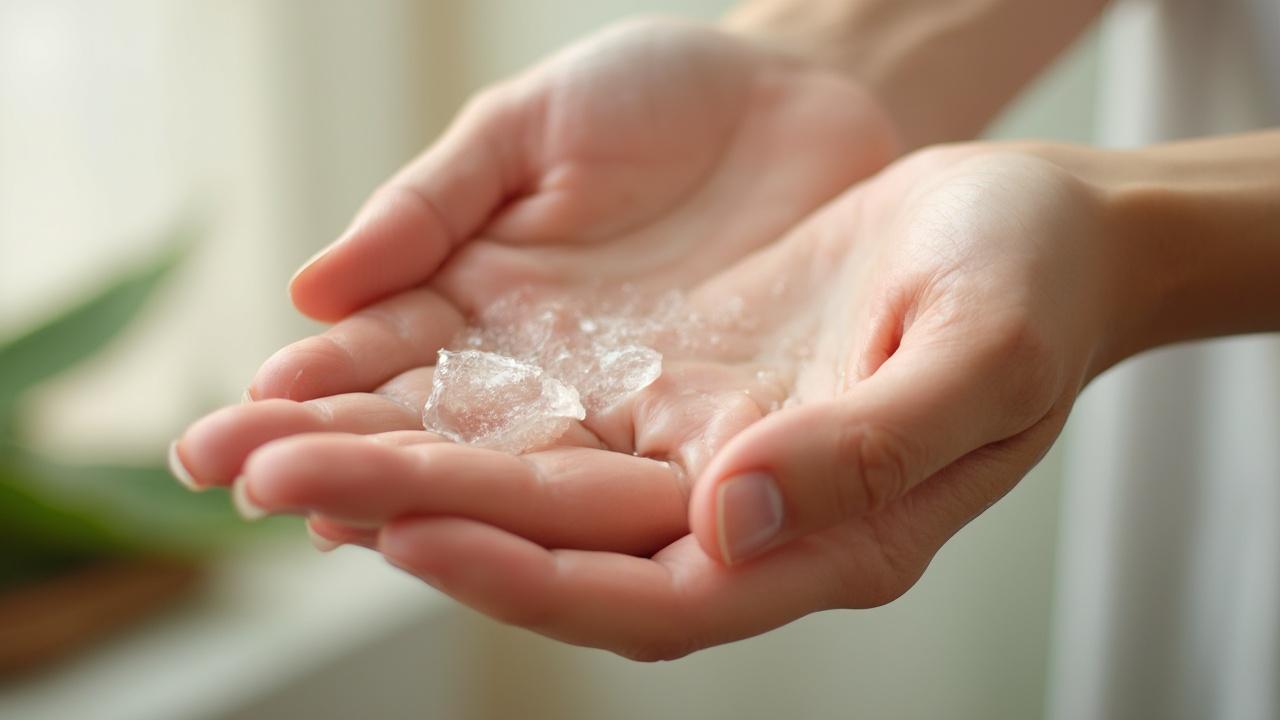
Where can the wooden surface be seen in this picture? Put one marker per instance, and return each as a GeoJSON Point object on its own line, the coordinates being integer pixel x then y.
{"type": "Point", "coordinates": [50, 620]}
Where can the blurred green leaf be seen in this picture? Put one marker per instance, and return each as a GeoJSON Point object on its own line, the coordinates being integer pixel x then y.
{"type": "Point", "coordinates": [33, 526]}
{"type": "Point", "coordinates": [48, 506]}
{"type": "Point", "coordinates": [55, 515]}
{"type": "Point", "coordinates": [82, 330]}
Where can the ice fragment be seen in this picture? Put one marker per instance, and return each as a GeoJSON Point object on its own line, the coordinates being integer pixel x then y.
{"type": "Point", "coordinates": [498, 402]}
{"type": "Point", "coordinates": [532, 363]}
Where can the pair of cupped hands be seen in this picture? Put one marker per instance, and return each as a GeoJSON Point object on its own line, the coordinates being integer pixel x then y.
{"type": "Point", "coordinates": [950, 300]}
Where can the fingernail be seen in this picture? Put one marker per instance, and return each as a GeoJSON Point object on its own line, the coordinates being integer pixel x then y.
{"type": "Point", "coordinates": [179, 471]}
{"type": "Point", "coordinates": [248, 509]}
{"type": "Point", "coordinates": [748, 515]}
{"type": "Point", "coordinates": [247, 397]}
{"type": "Point", "coordinates": [322, 543]}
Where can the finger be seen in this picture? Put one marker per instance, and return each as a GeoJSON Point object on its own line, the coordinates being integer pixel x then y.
{"type": "Point", "coordinates": [410, 225]}
{"type": "Point", "coordinates": [213, 450]}
{"type": "Point", "coordinates": [362, 351]}
{"type": "Point", "coordinates": [640, 608]}
{"type": "Point", "coordinates": [813, 466]}
{"type": "Point", "coordinates": [562, 497]}
{"type": "Point", "coordinates": [327, 534]}
{"type": "Point", "coordinates": [683, 600]}
{"type": "Point", "coordinates": [689, 412]}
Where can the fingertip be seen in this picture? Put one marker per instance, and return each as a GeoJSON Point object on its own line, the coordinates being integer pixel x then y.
{"type": "Point", "coordinates": [396, 242]}
{"type": "Point", "coordinates": [321, 542]}
{"type": "Point", "coordinates": [334, 532]}
{"type": "Point", "coordinates": [738, 509]}
{"type": "Point", "coordinates": [269, 463]}
{"type": "Point", "coordinates": [294, 475]}
{"type": "Point", "coordinates": [244, 501]}
{"type": "Point", "coordinates": [775, 437]}
{"type": "Point", "coordinates": [308, 471]}
{"type": "Point", "coordinates": [178, 469]}
{"type": "Point", "coordinates": [313, 293]}
{"type": "Point", "coordinates": [310, 368]}
{"type": "Point", "coordinates": [213, 450]}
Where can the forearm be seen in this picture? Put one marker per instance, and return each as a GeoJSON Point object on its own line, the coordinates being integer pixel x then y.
{"type": "Point", "coordinates": [1192, 231]}
{"type": "Point", "coordinates": [1204, 217]}
{"type": "Point", "coordinates": [943, 68]}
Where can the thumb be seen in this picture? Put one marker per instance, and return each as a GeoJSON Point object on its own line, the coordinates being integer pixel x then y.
{"type": "Point", "coordinates": [808, 468]}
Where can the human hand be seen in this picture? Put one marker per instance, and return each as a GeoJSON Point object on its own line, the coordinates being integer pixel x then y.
{"type": "Point", "coordinates": [655, 153]}
{"type": "Point", "coordinates": [656, 150]}
{"type": "Point", "coordinates": [957, 303]}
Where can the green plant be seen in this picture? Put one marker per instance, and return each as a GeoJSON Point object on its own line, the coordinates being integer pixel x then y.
{"type": "Point", "coordinates": [55, 515]}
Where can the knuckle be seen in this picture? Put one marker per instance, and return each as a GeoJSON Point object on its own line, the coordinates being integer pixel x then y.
{"type": "Point", "coordinates": [876, 470]}
{"type": "Point", "coordinates": [878, 577]}
{"type": "Point", "coordinates": [320, 350]}
{"type": "Point", "coordinates": [673, 635]}
{"type": "Point", "coordinates": [328, 349]}
{"type": "Point", "coordinates": [892, 586]}
{"type": "Point", "coordinates": [1030, 371]}
{"type": "Point", "coordinates": [427, 455]}
{"type": "Point", "coordinates": [381, 321]}
{"type": "Point", "coordinates": [642, 653]}
{"type": "Point", "coordinates": [728, 415]}
{"type": "Point", "coordinates": [882, 464]}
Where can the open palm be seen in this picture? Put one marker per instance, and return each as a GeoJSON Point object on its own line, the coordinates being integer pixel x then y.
{"type": "Point", "coordinates": [656, 153]}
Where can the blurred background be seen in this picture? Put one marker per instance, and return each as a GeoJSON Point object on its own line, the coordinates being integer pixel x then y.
{"type": "Point", "coordinates": [166, 165]}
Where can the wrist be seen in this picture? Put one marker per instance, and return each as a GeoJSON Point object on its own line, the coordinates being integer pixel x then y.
{"type": "Point", "coordinates": [814, 31]}
{"type": "Point", "coordinates": [880, 124]}
{"type": "Point", "coordinates": [1202, 220]}
{"type": "Point", "coordinates": [1191, 236]}
{"type": "Point", "coordinates": [857, 41]}
{"type": "Point", "coordinates": [920, 57]}
{"type": "Point", "coordinates": [1134, 279]}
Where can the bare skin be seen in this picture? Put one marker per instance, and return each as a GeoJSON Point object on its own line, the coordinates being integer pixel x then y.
{"type": "Point", "coordinates": [959, 301]}
{"type": "Point", "coordinates": [956, 304]}
{"type": "Point", "coordinates": [638, 145]}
